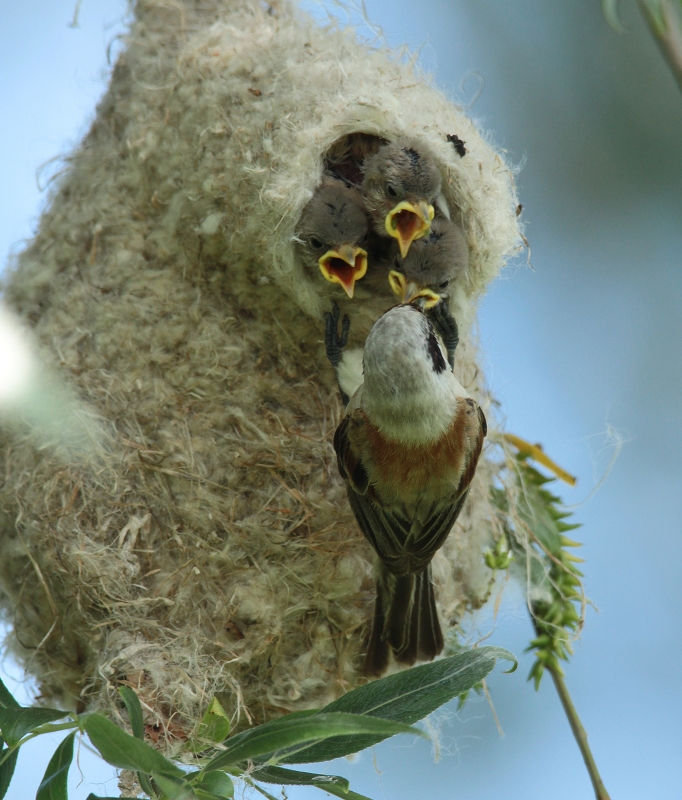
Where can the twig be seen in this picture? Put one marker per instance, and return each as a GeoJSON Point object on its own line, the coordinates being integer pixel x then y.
{"type": "Point", "coordinates": [665, 23]}
{"type": "Point", "coordinates": [536, 452]}
{"type": "Point", "coordinates": [76, 12]}
{"type": "Point", "coordinates": [492, 707]}
{"type": "Point", "coordinates": [580, 734]}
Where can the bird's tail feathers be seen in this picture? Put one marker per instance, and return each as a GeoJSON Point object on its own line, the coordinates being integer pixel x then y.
{"type": "Point", "coordinates": [376, 657]}
{"type": "Point", "coordinates": [405, 620]}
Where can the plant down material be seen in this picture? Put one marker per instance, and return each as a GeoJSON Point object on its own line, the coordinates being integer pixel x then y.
{"type": "Point", "coordinates": [209, 548]}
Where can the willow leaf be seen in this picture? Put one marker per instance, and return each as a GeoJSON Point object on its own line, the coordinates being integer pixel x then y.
{"type": "Point", "coordinates": [122, 750]}
{"type": "Point", "coordinates": [271, 740]}
{"type": "Point", "coordinates": [16, 722]}
{"type": "Point", "coordinates": [292, 777]}
{"type": "Point", "coordinates": [7, 770]}
{"type": "Point", "coordinates": [406, 697]}
{"type": "Point", "coordinates": [54, 783]}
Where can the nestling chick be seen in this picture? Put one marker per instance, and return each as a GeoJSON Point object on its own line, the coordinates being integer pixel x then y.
{"type": "Point", "coordinates": [401, 184]}
{"type": "Point", "coordinates": [435, 260]}
{"type": "Point", "coordinates": [427, 273]}
{"type": "Point", "coordinates": [331, 234]}
{"type": "Point", "coordinates": [408, 449]}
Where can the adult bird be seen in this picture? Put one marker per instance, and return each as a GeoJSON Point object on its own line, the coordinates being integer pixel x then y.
{"type": "Point", "coordinates": [407, 448]}
{"type": "Point", "coordinates": [428, 272]}
{"type": "Point", "coordinates": [402, 183]}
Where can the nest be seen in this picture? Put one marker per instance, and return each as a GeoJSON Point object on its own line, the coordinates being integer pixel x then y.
{"type": "Point", "coordinates": [208, 547]}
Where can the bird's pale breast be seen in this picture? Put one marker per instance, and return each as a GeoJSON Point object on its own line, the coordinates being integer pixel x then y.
{"type": "Point", "coordinates": [405, 473]}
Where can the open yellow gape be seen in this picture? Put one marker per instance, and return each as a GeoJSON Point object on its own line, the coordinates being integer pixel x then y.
{"type": "Point", "coordinates": [409, 290]}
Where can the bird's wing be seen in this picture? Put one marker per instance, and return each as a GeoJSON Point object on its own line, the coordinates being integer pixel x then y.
{"type": "Point", "coordinates": [404, 544]}
{"type": "Point", "coordinates": [472, 463]}
{"type": "Point", "coordinates": [350, 466]}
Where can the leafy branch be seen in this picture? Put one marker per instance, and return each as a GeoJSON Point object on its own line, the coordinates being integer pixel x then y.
{"type": "Point", "coordinates": [664, 18]}
{"type": "Point", "coordinates": [356, 720]}
{"type": "Point", "coordinates": [534, 535]}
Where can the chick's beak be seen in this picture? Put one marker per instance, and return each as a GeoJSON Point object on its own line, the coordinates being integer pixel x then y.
{"type": "Point", "coordinates": [409, 221]}
{"type": "Point", "coordinates": [344, 266]}
{"type": "Point", "coordinates": [409, 291]}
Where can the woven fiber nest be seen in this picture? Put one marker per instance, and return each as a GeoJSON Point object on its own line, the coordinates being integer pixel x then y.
{"type": "Point", "coordinates": [208, 547]}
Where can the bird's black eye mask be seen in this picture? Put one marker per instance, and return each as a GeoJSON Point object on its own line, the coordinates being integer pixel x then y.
{"type": "Point", "coordinates": [434, 351]}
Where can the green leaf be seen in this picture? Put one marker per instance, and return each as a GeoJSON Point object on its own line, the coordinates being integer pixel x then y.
{"type": "Point", "coordinates": [274, 739]}
{"type": "Point", "coordinates": [292, 777]}
{"type": "Point", "coordinates": [122, 750]}
{"type": "Point", "coordinates": [173, 788]}
{"type": "Point", "coordinates": [214, 727]}
{"type": "Point", "coordinates": [536, 512]}
{"type": "Point", "coordinates": [7, 770]}
{"type": "Point", "coordinates": [54, 783]}
{"type": "Point", "coordinates": [16, 722]}
{"type": "Point", "coordinates": [217, 783]}
{"type": "Point", "coordinates": [134, 708]}
{"type": "Point", "coordinates": [407, 696]}
{"type": "Point", "coordinates": [7, 698]}
{"type": "Point", "coordinates": [146, 784]}
{"type": "Point", "coordinates": [135, 715]}
{"type": "Point", "coordinates": [346, 795]}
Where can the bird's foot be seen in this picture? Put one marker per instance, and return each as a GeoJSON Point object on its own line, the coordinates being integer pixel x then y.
{"type": "Point", "coordinates": [446, 325]}
{"type": "Point", "coordinates": [335, 342]}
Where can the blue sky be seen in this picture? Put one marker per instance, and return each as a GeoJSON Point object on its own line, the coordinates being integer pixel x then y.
{"type": "Point", "coordinates": [588, 337]}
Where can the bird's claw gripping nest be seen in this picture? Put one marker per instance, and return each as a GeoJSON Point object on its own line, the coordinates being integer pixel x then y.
{"type": "Point", "coordinates": [333, 341]}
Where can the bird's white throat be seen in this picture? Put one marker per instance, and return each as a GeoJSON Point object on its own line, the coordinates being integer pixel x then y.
{"type": "Point", "coordinates": [408, 392]}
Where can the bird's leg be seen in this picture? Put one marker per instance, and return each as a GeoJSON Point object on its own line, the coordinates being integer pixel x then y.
{"type": "Point", "coordinates": [446, 325]}
{"type": "Point", "coordinates": [335, 342]}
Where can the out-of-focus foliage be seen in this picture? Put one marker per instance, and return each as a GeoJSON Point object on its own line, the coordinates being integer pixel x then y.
{"type": "Point", "coordinates": [664, 18]}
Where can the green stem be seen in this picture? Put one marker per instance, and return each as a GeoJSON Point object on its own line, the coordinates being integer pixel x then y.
{"type": "Point", "coordinates": [47, 728]}
{"type": "Point", "coordinates": [50, 727]}
{"type": "Point", "coordinates": [580, 735]}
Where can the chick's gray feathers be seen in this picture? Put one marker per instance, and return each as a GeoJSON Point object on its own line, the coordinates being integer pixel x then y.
{"type": "Point", "coordinates": [437, 259]}
{"type": "Point", "coordinates": [401, 170]}
{"type": "Point", "coordinates": [335, 215]}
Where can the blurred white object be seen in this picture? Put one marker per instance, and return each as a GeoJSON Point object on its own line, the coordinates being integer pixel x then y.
{"type": "Point", "coordinates": [34, 398]}
{"type": "Point", "coordinates": [17, 362]}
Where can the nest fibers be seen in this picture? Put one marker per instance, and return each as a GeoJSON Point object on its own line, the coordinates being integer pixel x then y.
{"type": "Point", "coordinates": [211, 548]}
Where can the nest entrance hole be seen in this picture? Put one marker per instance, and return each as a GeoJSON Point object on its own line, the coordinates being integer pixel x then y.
{"type": "Point", "coordinates": [347, 154]}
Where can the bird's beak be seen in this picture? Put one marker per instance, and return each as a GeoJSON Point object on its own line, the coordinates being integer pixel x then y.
{"type": "Point", "coordinates": [409, 291]}
{"type": "Point", "coordinates": [407, 222]}
{"type": "Point", "coordinates": [344, 266]}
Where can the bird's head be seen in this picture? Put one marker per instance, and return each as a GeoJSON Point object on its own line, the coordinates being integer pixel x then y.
{"type": "Point", "coordinates": [409, 391]}
{"type": "Point", "coordinates": [331, 235]}
{"type": "Point", "coordinates": [432, 264]}
{"type": "Point", "coordinates": [401, 183]}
